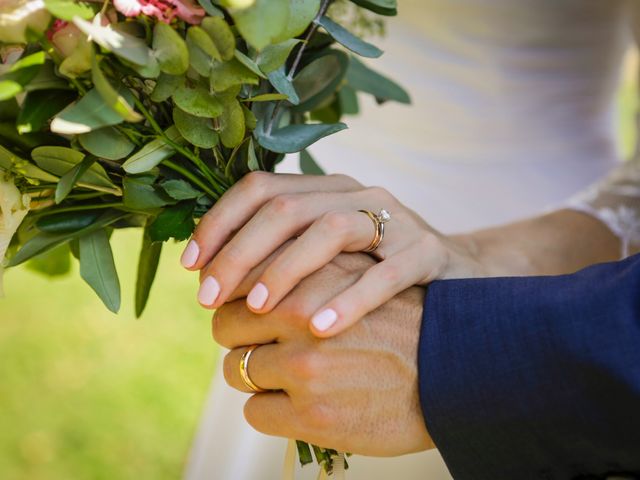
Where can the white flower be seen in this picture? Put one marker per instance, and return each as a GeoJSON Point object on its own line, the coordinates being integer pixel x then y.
{"type": "Point", "coordinates": [17, 15]}
{"type": "Point", "coordinates": [14, 206]}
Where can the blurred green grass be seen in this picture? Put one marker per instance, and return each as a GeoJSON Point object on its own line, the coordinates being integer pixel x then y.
{"type": "Point", "coordinates": [85, 394]}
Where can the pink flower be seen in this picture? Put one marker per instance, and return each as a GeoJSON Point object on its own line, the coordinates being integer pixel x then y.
{"type": "Point", "coordinates": [163, 10]}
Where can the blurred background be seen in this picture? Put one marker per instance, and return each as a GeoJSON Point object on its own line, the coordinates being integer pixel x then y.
{"type": "Point", "coordinates": [85, 394]}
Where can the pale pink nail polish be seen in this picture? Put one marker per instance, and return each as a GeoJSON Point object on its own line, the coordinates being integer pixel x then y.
{"type": "Point", "coordinates": [190, 255]}
{"type": "Point", "coordinates": [325, 319]}
{"type": "Point", "coordinates": [209, 291]}
{"type": "Point", "coordinates": [258, 296]}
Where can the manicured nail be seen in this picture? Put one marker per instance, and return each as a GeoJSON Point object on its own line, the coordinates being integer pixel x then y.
{"type": "Point", "coordinates": [258, 296]}
{"type": "Point", "coordinates": [190, 254]}
{"type": "Point", "coordinates": [209, 291]}
{"type": "Point", "coordinates": [325, 319]}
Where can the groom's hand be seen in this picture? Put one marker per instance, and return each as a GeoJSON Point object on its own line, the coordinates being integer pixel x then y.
{"type": "Point", "coordinates": [357, 392]}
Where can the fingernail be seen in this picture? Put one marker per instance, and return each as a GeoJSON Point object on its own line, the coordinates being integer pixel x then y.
{"type": "Point", "coordinates": [258, 296]}
{"type": "Point", "coordinates": [209, 291]}
{"type": "Point", "coordinates": [325, 319]}
{"type": "Point", "coordinates": [190, 254]}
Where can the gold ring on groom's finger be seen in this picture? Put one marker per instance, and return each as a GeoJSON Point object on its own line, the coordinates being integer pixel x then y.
{"type": "Point", "coordinates": [378, 222]}
{"type": "Point", "coordinates": [244, 371]}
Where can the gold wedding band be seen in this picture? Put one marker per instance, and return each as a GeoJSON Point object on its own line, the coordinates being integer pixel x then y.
{"type": "Point", "coordinates": [244, 371]}
{"type": "Point", "coordinates": [378, 222]}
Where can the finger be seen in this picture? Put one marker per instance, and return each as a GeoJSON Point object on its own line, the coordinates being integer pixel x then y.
{"type": "Point", "coordinates": [265, 368]}
{"type": "Point", "coordinates": [241, 202]}
{"type": "Point", "coordinates": [276, 222]}
{"type": "Point", "coordinates": [332, 233]}
{"type": "Point", "coordinates": [273, 413]}
{"type": "Point", "coordinates": [233, 325]}
{"type": "Point", "coordinates": [377, 285]}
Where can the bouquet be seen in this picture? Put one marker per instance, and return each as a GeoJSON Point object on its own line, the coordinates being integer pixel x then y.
{"type": "Point", "coordinates": [141, 113]}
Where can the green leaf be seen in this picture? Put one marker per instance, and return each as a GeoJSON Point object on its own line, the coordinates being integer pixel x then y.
{"type": "Point", "coordinates": [197, 36]}
{"type": "Point", "coordinates": [69, 179]}
{"type": "Point", "coordinates": [173, 222]}
{"type": "Point", "coordinates": [180, 190]}
{"type": "Point", "coordinates": [266, 97]}
{"type": "Point", "coordinates": [46, 241]}
{"type": "Point", "coordinates": [170, 50]}
{"type": "Point", "coordinates": [197, 131]}
{"type": "Point", "coordinates": [274, 56]}
{"type": "Point", "coordinates": [301, 14]}
{"type": "Point", "coordinates": [294, 138]}
{"type": "Point", "coordinates": [20, 74]}
{"type": "Point", "coordinates": [67, 9]}
{"type": "Point", "coordinates": [88, 113]}
{"type": "Point", "coordinates": [165, 86]}
{"type": "Point", "coordinates": [348, 99]}
{"type": "Point", "coordinates": [263, 22]}
{"type": "Point", "coordinates": [232, 126]}
{"type": "Point", "coordinates": [221, 34]}
{"type": "Point", "coordinates": [147, 268]}
{"type": "Point", "coordinates": [211, 9]}
{"type": "Point", "coordinates": [107, 143]}
{"type": "Point", "coordinates": [381, 7]}
{"type": "Point", "coordinates": [320, 79]}
{"type": "Point", "coordinates": [59, 160]}
{"type": "Point", "coordinates": [228, 74]}
{"type": "Point", "coordinates": [308, 165]}
{"type": "Point", "coordinates": [98, 269]}
{"type": "Point", "coordinates": [56, 262]}
{"type": "Point", "coordinates": [197, 101]}
{"type": "Point", "coordinates": [110, 96]}
{"type": "Point", "coordinates": [249, 63]}
{"type": "Point", "coordinates": [39, 106]}
{"type": "Point", "coordinates": [252, 159]}
{"type": "Point", "coordinates": [153, 153]}
{"type": "Point", "coordinates": [140, 194]}
{"type": "Point", "coordinates": [282, 84]}
{"type": "Point", "coordinates": [348, 39]}
{"type": "Point", "coordinates": [67, 222]}
{"type": "Point", "coordinates": [250, 119]}
{"type": "Point", "coordinates": [126, 46]}
{"type": "Point", "coordinates": [362, 78]}
{"type": "Point", "coordinates": [10, 161]}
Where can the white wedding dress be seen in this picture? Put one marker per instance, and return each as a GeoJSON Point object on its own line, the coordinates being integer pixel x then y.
{"type": "Point", "coordinates": [513, 113]}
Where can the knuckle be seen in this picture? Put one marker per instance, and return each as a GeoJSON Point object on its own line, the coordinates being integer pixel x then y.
{"type": "Point", "coordinates": [319, 417]}
{"type": "Point", "coordinates": [336, 222]}
{"type": "Point", "coordinates": [231, 255]}
{"type": "Point", "coordinates": [283, 204]}
{"type": "Point", "coordinates": [390, 273]}
{"type": "Point", "coordinates": [307, 366]}
{"type": "Point", "coordinates": [255, 182]}
{"type": "Point", "coordinates": [380, 193]}
{"type": "Point", "coordinates": [297, 308]}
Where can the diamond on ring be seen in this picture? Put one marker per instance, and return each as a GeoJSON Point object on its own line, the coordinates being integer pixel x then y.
{"type": "Point", "coordinates": [384, 216]}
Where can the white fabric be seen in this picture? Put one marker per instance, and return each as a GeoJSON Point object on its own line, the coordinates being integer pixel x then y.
{"type": "Point", "coordinates": [512, 114]}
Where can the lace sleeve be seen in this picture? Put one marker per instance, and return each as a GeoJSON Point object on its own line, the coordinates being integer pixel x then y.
{"type": "Point", "coordinates": [616, 202]}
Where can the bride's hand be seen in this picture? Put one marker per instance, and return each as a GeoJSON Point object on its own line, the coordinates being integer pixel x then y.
{"type": "Point", "coordinates": [263, 211]}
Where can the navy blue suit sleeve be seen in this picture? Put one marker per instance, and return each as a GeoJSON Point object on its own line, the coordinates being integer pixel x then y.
{"type": "Point", "coordinates": [534, 377]}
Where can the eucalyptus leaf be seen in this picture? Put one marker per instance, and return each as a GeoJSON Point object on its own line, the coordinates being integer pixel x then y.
{"type": "Point", "coordinates": [221, 34]}
{"type": "Point", "coordinates": [170, 50]}
{"type": "Point", "coordinates": [110, 96]}
{"type": "Point", "coordinates": [197, 131]}
{"type": "Point", "coordinates": [381, 7]}
{"type": "Point", "coordinates": [98, 269]}
{"type": "Point", "coordinates": [301, 14]}
{"type": "Point", "coordinates": [147, 268]}
{"type": "Point", "coordinates": [210, 8]}
{"type": "Point", "coordinates": [283, 85]}
{"type": "Point", "coordinates": [294, 138]}
{"type": "Point", "coordinates": [20, 74]}
{"type": "Point", "coordinates": [165, 86]}
{"type": "Point", "coordinates": [362, 78]}
{"type": "Point", "coordinates": [106, 143]}
{"type": "Point", "coordinates": [263, 22]}
{"type": "Point", "coordinates": [197, 36]}
{"type": "Point", "coordinates": [249, 63]}
{"type": "Point", "coordinates": [275, 56]}
{"type": "Point", "coordinates": [266, 97]}
{"type": "Point", "coordinates": [67, 9]}
{"type": "Point", "coordinates": [153, 153]}
{"type": "Point", "coordinates": [197, 101]}
{"type": "Point", "coordinates": [348, 39]}
{"type": "Point", "coordinates": [319, 80]}
{"type": "Point", "coordinates": [308, 165]}
{"type": "Point", "coordinates": [252, 159]}
{"type": "Point", "coordinates": [232, 126]}
{"type": "Point", "coordinates": [228, 74]}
